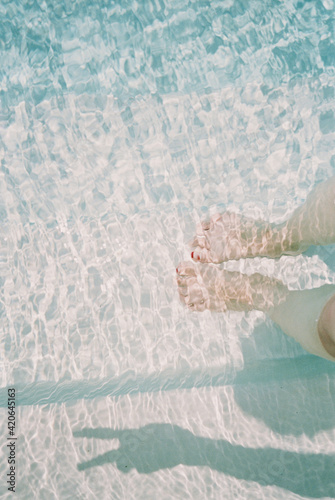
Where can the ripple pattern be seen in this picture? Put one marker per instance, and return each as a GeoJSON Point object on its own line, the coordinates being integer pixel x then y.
{"type": "Point", "coordinates": [122, 124]}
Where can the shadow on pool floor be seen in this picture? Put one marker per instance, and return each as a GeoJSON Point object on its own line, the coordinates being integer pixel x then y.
{"type": "Point", "coordinates": [161, 446]}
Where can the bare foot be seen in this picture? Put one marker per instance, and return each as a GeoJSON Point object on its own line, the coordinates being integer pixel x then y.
{"type": "Point", "coordinates": [231, 237]}
{"type": "Point", "coordinates": [208, 287]}
{"type": "Point", "coordinates": [227, 237]}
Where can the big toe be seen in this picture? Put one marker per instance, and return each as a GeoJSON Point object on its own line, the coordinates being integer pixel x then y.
{"type": "Point", "coordinates": [201, 255]}
{"type": "Point", "coordinates": [186, 269]}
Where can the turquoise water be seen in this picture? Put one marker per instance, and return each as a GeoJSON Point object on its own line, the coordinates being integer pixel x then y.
{"type": "Point", "coordinates": [122, 125]}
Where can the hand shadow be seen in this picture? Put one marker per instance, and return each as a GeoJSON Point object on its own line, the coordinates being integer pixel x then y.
{"type": "Point", "coordinates": [160, 446]}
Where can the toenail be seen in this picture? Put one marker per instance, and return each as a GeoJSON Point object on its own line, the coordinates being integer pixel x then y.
{"type": "Point", "coordinates": [192, 255]}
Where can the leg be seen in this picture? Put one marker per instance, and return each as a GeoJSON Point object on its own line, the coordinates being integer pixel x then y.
{"type": "Point", "coordinates": [296, 312]}
{"type": "Point", "coordinates": [231, 236]}
{"type": "Point", "coordinates": [314, 222]}
{"type": "Point", "coordinates": [308, 316]}
{"type": "Point", "coordinates": [326, 326]}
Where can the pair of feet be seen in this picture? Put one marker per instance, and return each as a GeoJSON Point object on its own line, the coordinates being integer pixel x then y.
{"type": "Point", "coordinates": [227, 237]}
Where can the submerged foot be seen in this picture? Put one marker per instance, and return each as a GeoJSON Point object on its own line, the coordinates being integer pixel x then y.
{"type": "Point", "coordinates": [220, 239]}
{"type": "Point", "coordinates": [207, 287]}
{"type": "Point", "coordinates": [231, 237]}
{"type": "Point", "coordinates": [204, 287]}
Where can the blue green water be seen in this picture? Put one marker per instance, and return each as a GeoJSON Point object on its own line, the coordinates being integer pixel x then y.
{"type": "Point", "coordinates": [122, 124]}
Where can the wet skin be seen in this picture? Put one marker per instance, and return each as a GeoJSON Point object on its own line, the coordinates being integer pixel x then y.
{"type": "Point", "coordinates": [231, 236]}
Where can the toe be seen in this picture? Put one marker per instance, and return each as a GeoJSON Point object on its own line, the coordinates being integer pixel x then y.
{"type": "Point", "coordinates": [183, 292]}
{"type": "Point", "coordinates": [201, 305]}
{"type": "Point", "coordinates": [198, 298]}
{"type": "Point", "coordinates": [198, 241]}
{"type": "Point", "coordinates": [194, 242]}
{"type": "Point", "coordinates": [186, 269]}
{"type": "Point", "coordinates": [201, 255]}
{"type": "Point", "coordinates": [181, 281]}
{"type": "Point", "coordinates": [216, 218]}
{"type": "Point", "coordinates": [205, 225]}
{"type": "Point", "coordinates": [183, 297]}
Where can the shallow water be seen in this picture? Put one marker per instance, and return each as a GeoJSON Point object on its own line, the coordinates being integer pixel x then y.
{"type": "Point", "coordinates": [121, 127]}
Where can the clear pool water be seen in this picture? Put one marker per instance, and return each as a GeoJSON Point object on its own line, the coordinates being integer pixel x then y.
{"type": "Point", "coordinates": [122, 125]}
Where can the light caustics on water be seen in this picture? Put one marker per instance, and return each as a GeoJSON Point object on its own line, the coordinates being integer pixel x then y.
{"type": "Point", "coordinates": [122, 126]}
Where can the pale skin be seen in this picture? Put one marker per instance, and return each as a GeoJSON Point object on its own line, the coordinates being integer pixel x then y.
{"type": "Point", "coordinates": [229, 236]}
